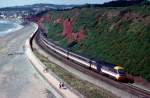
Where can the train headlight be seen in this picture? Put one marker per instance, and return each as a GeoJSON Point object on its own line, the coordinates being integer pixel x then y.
{"type": "Point", "coordinates": [117, 76]}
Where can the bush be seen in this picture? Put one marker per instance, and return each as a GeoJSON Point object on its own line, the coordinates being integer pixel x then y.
{"type": "Point", "coordinates": [127, 42]}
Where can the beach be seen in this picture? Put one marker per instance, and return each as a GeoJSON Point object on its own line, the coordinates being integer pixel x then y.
{"type": "Point", "coordinates": [18, 78]}
{"type": "Point", "coordinates": [9, 26]}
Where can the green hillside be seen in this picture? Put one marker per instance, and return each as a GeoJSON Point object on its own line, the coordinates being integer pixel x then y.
{"type": "Point", "coordinates": [119, 35]}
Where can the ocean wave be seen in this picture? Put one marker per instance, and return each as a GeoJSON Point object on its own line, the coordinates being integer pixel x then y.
{"type": "Point", "coordinates": [4, 21]}
{"type": "Point", "coordinates": [13, 29]}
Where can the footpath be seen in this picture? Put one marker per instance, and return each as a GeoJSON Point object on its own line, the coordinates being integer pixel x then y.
{"type": "Point", "coordinates": [53, 81]}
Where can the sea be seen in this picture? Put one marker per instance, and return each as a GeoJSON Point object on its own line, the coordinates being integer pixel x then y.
{"type": "Point", "coordinates": [7, 26]}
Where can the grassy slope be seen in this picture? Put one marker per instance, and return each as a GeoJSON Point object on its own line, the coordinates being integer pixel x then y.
{"type": "Point", "coordinates": [117, 35]}
{"type": "Point", "coordinates": [75, 82]}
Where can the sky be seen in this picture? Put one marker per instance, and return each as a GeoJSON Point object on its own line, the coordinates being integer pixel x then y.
{"type": "Point", "coordinates": [7, 3]}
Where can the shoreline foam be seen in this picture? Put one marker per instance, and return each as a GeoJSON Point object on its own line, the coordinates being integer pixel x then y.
{"type": "Point", "coordinates": [17, 26]}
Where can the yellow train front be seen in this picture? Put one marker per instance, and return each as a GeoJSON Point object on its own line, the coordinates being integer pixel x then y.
{"type": "Point", "coordinates": [115, 71]}
{"type": "Point", "coordinates": [121, 73]}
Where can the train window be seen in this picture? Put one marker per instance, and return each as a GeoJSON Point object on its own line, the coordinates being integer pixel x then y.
{"type": "Point", "coordinates": [121, 71]}
{"type": "Point", "coordinates": [113, 70]}
{"type": "Point", "coordinates": [104, 67]}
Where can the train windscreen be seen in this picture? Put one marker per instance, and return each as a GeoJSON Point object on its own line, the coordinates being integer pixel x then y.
{"type": "Point", "coordinates": [121, 71]}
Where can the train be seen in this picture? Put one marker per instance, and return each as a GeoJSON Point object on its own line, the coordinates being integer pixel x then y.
{"type": "Point", "coordinates": [117, 72]}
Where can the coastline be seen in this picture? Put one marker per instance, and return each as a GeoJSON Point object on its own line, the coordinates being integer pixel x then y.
{"type": "Point", "coordinates": [17, 26]}
{"type": "Point", "coordinates": [12, 34]}
{"type": "Point", "coordinates": [18, 78]}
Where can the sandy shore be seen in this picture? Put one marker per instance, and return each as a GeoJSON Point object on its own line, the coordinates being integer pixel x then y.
{"type": "Point", "coordinates": [9, 36]}
{"type": "Point", "coordinates": [18, 79]}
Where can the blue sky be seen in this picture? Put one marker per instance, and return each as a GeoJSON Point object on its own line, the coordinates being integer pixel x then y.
{"type": "Point", "coordinates": [6, 3]}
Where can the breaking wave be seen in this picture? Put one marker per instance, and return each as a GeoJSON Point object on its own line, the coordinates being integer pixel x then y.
{"type": "Point", "coordinates": [8, 27]}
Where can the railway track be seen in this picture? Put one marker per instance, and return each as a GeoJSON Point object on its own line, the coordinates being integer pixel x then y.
{"type": "Point", "coordinates": [138, 92]}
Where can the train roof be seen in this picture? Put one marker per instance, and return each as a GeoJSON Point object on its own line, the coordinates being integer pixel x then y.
{"type": "Point", "coordinates": [118, 67]}
{"type": "Point", "coordinates": [103, 63]}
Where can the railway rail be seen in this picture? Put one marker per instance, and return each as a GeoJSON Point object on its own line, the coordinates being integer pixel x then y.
{"type": "Point", "coordinates": [138, 92]}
